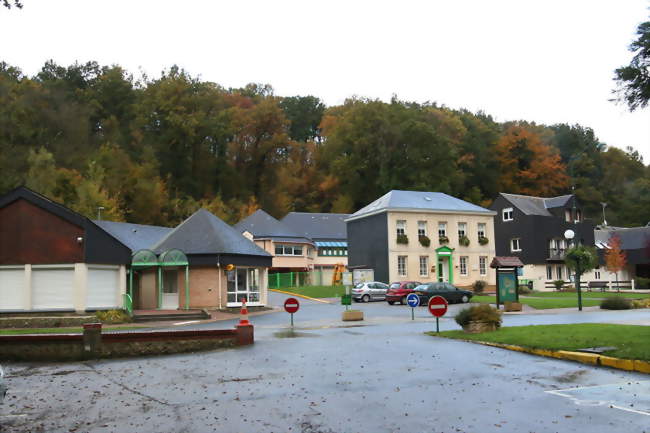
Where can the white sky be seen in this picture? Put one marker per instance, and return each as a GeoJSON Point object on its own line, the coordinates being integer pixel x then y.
{"type": "Point", "coordinates": [546, 61]}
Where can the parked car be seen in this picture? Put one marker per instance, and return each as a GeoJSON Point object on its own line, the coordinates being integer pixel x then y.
{"type": "Point", "coordinates": [448, 291]}
{"type": "Point", "coordinates": [3, 386]}
{"type": "Point", "coordinates": [369, 291]}
{"type": "Point", "coordinates": [398, 291]}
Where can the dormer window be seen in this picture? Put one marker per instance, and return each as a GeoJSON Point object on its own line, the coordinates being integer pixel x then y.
{"type": "Point", "coordinates": [567, 215]}
{"type": "Point", "coordinates": [507, 214]}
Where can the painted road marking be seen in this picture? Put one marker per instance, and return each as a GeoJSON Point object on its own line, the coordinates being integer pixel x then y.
{"type": "Point", "coordinates": [628, 396]}
{"type": "Point", "coordinates": [186, 323]}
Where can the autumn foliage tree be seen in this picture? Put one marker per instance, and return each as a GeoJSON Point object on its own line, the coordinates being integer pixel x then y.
{"type": "Point", "coordinates": [615, 257]}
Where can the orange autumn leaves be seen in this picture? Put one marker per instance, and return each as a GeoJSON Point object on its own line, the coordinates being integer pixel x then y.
{"type": "Point", "coordinates": [528, 165]}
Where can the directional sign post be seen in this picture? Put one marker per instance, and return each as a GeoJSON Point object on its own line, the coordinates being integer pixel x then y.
{"type": "Point", "coordinates": [291, 305]}
{"type": "Point", "coordinates": [438, 307]}
{"type": "Point", "coordinates": [414, 301]}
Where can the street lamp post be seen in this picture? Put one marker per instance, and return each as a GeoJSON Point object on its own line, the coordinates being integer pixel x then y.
{"type": "Point", "coordinates": [99, 212]}
{"type": "Point", "coordinates": [569, 235]}
{"type": "Point", "coordinates": [604, 205]}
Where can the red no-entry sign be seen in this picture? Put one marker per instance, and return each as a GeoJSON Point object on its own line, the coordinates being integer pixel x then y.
{"type": "Point", "coordinates": [438, 306]}
{"type": "Point", "coordinates": [291, 305]}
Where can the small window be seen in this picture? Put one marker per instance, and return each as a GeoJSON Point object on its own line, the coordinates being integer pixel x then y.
{"type": "Point", "coordinates": [514, 245]}
{"type": "Point", "coordinates": [401, 227]}
{"type": "Point", "coordinates": [442, 229]}
{"type": "Point", "coordinates": [481, 230]}
{"type": "Point", "coordinates": [597, 275]}
{"type": "Point", "coordinates": [549, 272]}
{"type": "Point", "coordinates": [401, 266]}
{"type": "Point", "coordinates": [578, 215]}
{"type": "Point", "coordinates": [462, 230]}
{"type": "Point", "coordinates": [279, 250]}
{"type": "Point", "coordinates": [567, 215]}
{"type": "Point", "coordinates": [507, 214]}
{"type": "Point", "coordinates": [297, 251]}
{"type": "Point", "coordinates": [424, 266]}
{"type": "Point", "coordinates": [463, 265]}
{"type": "Point", "coordinates": [422, 228]}
{"type": "Point", "coordinates": [559, 273]}
{"type": "Point", "coordinates": [482, 265]}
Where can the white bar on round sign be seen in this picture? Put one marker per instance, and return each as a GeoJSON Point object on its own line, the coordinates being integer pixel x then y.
{"type": "Point", "coordinates": [437, 306]}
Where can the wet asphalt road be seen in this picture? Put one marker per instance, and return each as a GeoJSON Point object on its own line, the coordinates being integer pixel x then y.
{"type": "Point", "coordinates": [386, 376]}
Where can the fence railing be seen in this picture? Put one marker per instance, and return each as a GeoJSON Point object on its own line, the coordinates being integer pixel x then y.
{"type": "Point", "coordinates": [596, 285]}
{"type": "Point", "coordinates": [300, 279]}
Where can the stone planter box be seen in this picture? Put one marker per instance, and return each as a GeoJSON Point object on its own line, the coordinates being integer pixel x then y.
{"type": "Point", "coordinates": [478, 327]}
{"type": "Point", "coordinates": [512, 306]}
{"type": "Point", "coordinates": [352, 315]}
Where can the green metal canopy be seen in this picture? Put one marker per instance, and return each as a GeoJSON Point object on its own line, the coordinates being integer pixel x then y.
{"type": "Point", "coordinates": [144, 258]}
{"type": "Point", "coordinates": [173, 257]}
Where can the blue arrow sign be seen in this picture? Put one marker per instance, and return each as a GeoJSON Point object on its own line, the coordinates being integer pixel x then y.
{"type": "Point", "coordinates": [413, 300]}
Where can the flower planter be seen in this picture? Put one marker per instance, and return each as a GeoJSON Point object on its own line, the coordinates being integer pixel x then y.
{"type": "Point", "coordinates": [512, 306]}
{"type": "Point", "coordinates": [352, 315]}
{"type": "Point", "coordinates": [478, 327]}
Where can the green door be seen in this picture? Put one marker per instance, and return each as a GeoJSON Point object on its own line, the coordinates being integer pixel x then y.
{"type": "Point", "coordinates": [507, 287]}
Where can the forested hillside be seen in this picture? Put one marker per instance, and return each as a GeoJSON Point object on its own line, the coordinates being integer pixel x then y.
{"type": "Point", "coordinates": [154, 150]}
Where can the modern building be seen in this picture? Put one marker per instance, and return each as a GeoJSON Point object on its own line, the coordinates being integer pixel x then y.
{"type": "Point", "coordinates": [329, 233]}
{"type": "Point", "coordinates": [533, 229]}
{"type": "Point", "coordinates": [422, 236]}
{"type": "Point", "coordinates": [54, 259]}
{"type": "Point", "coordinates": [635, 243]}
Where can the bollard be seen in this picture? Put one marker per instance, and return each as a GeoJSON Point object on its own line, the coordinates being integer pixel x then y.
{"type": "Point", "coordinates": [92, 339]}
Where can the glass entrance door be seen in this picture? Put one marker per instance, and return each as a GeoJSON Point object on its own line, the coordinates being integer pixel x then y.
{"type": "Point", "coordinates": [170, 290]}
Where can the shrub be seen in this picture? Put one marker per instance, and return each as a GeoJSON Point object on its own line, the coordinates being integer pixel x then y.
{"type": "Point", "coordinates": [443, 239]}
{"type": "Point", "coordinates": [641, 303]}
{"type": "Point", "coordinates": [479, 286]}
{"type": "Point", "coordinates": [424, 241]}
{"type": "Point", "coordinates": [113, 316]}
{"type": "Point", "coordinates": [558, 284]}
{"type": "Point", "coordinates": [464, 241]}
{"type": "Point", "coordinates": [616, 304]}
{"type": "Point", "coordinates": [402, 239]}
{"type": "Point", "coordinates": [479, 313]}
{"type": "Point", "coordinates": [524, 290]}
{"type": "Point", "coordinates": [642, 283]}
{"type": "Point", "coordinates": [483, 240]}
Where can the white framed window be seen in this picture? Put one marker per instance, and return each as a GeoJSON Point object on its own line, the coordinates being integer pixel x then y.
{"type": "Point", "coordinates": [463, 265]}
{"type": "Point", "coordinates": [401, 266]}
{"type": "Point", "coordinates": [597, 275]}
{"type": "Point", "coordinates": [558, 272]}
{"type": "Point", "coordinates": [442, 229]}
{"type": "Point", "coordinates": [288, 250]}
{"type": "Point", "coordinates": [422, 228]}
{"type": "Point", "coordinates": [462, 230]}
{"type": "Point", "coordinates": [481, 230]}
{"type": "Point", "coordinates": [567, 215]}
{"type": "Point", "coordinates": [243, 283]}
{"type": "Point", "coordinates": [401, 227]}
{"type": "Point", "coordinates": [515, 245]}
{"type": "Point", "coordinates": [507, 214]}
{"type": "Point", "coordinates": [482, 265]}
{"type": "Point", "coordinates": [424, 266]}
{"type": "Point", "coordinates": [549, 272]}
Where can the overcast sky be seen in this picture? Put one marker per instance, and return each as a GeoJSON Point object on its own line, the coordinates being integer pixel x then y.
{"type": "Point", "coordinates": [547, 61]}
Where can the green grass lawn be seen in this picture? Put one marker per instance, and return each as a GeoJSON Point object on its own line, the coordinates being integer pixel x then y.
{"type": "Point", "coordinates": [62, 330]}
{"type": "Point", "coordinates": [544, 303]}
{"type": "Point", "coordinates": [317, 291]}
{"type": "Point", "coordinates": [631, 341]}
{"type": "Point", "coordinates": [596, 294]}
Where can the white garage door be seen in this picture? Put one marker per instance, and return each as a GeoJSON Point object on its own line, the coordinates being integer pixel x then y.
{"type": "Point", "coordinates": [103, 288]}
{"type": "Point", "coordinates": [12, 285]}
{"type": "Point", "coordinates": [52, 288]}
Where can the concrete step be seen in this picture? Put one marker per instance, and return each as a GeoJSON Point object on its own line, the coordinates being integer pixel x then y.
{"type": "Point", "coordinates": [170, 316]}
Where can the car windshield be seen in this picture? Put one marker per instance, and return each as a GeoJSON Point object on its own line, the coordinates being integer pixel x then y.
{"type": "Point", "coordinates": [394, 286]}
{"type": "Point", "coordinates": [358, 286]}
{"type": "Point", "coordinates": [422, 287]}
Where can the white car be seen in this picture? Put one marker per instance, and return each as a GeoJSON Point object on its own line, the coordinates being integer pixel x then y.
{"type": "Point", "coordinates": [370, 291]}
{"type": "Point", "coordinates": [3, 387]}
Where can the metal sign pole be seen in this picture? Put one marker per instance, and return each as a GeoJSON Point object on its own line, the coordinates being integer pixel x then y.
{"type": "Point", "coordinates": [437, 325]}
{"type": "Point", "coordinates": [412, 313]}
{"type": "Point", "coordinates": [292, 320]}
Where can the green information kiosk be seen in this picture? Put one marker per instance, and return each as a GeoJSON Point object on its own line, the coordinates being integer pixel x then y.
{"type": "Point", "coordinates": [507, 281]}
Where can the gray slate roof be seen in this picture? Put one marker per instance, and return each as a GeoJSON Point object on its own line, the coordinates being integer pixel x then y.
{"type": "Point", "coordinates": [632, 238]}
{"type": "Point", "coordinates": [135, 236]}
{"type": "Point", "coordinates": [204, 233]}
{"type": "Point", "coordinates": [318, 226]}
{"type": "Point", "coordinates": [262, 225]}
{"type": "Point", "coordinates": [530, 205]}
{"type": "Point", "coordinates": [418, 200]}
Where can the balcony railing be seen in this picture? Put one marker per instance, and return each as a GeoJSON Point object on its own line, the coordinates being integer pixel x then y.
{"type": "Point", "coordinates": [556, 253]}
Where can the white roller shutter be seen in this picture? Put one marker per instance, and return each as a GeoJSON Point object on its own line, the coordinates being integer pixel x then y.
{"type": "Point", "coordinates": [52, 288]}
{"type": "Point", "coordinates": [103, 288]}
{"type": "Point", "coordinates": [12, 286]}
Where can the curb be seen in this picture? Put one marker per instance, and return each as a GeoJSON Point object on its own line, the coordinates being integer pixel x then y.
{"type": "Point", "coordinates": [585, 358]}
{"type": "Point", "coordinates": [300, 296]}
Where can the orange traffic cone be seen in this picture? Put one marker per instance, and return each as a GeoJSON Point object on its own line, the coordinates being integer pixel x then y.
{"type": "Point", "coordinates": [243, 320]}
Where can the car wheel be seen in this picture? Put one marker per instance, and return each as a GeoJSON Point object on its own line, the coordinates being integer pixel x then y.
{"type": "Point", "coordinates": [464, 299]}
{"type": "Point", "coordinates": [390, 302]}
{"type": "Point", "coordinates": [403, 300]}
{"type": "Point", "coordinates": [365, 298]}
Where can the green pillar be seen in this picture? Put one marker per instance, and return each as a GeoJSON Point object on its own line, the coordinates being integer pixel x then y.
{"type": "Point", "coordinates": [187, 287]}
{"type": "Point", "coordinates": [160, 286]}
{"type": "Point", "coordinates": [451, 271]}
{"type": "Point", "coordinates": [277, 280]}
{"type": "Point", "coordinates": [131, 282]}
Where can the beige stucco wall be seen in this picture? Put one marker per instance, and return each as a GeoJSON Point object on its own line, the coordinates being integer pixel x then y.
{"type": "Point", "coordinates": [329, 260]}
{"type": "Point", "coordinates": [413, 250]}
{"type": "Point", "coordinates": [537, 273]}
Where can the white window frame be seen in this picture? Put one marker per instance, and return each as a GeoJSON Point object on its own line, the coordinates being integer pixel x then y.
{"type": "Point", "coordinates": [558, 272]}
{"type": "Point", "coordinates": [463, 265]}
{"type": "Point", "coordinates": [400, 227]}
{"type": "Point", "coordinates": [293, 248]}
{"type": "Point", "coordinates": [402, 262]}
{"type": "Point", "coordinates": [462, 229]}
{"type": "Point", "coordinates": [424, 266]}
{"type": "Point", "coordinates": [482, 265]}
{"type": "Point", "coordinates": [597, 274]}
{"type": "Point", "coordinates": [507, 214]}
{"type": "Point", "coordinates": [481, 232]}
{"type": "Point", "coordinates": [549, 272]}
{"type": "Point", "coordinates": [422, 228]}
{"type": "Point", "coordinates": [512, 244]}
{"type": "Point", "coordinates": [442, 228]}
{"type": "Point", "coordinates": [249, 289]}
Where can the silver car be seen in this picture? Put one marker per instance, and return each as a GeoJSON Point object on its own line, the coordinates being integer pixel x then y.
{"type": "Point", "coordinates": [369, 291]}
{"type": "Point", "coordinates": [3, 387]}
